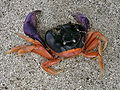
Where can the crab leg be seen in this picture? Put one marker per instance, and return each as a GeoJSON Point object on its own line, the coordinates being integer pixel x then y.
{"type": "Point", "coordinates": [21, 49]}
{"type": "Point", "coordinates": [46, 66]}
{"type": "Point", "coordinates": [94, 44]}
{"type": "Point", "coordinates": [93, 35]}
{"type": "Point", "coordinates": [28, 39]}
{"type": "Point", "coordinates": [37, 48]}
{"type": "Point", "coordinates": [89, 36]}
{"type": "Point", "coordinates": [95, 54]}
{"type": "Point", "coordinates": [91, 42]}
{"type": "Point", "coordinates": [15, 49]}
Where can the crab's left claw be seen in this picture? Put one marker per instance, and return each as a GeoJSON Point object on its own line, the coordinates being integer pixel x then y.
{"type": "Point", "coordinates": [30, 27]}
{"type": "Point", "coordinates": [82, 20]}
{"type": "Point", "coordinates": [30, 24]}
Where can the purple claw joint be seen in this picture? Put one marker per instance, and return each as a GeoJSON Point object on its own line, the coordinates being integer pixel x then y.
{"type": "Point", "coordinates": [30, 24]}
{"type": "Point", "coordinates": [82, 20]}
{"type": "Point", "coordinates": [30, 27]}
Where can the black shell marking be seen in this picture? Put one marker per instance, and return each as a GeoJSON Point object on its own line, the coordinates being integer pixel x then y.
{"type": "Point", "coordinates": [66, 37]}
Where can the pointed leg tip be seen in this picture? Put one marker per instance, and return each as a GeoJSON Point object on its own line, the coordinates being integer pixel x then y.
{"type": "Point", "coordinates": [59, 71]}
{"type": "Point", "coordinates": [18, 34]}
{"type": "Point", "coordinates": [93, 58]}
{"type": "Point", "coordinates": [104, 48]}
{"type": "Point", "coordinates": [100, 75]}
{"type": "Point", "coordinates": [101, 52]}
{"type": "Point", "coordinates": [19, 54]}
{"type": "Point", "coordinates": [8, 52]}
{"type": "Point", "coordinates": [105, 45]}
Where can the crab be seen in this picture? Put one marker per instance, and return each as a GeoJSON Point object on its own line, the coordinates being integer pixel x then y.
{"type": "Point", "coordinates": [64, 41]}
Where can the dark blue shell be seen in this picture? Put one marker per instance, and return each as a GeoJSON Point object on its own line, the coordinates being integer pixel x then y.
{"type": "Point", "coordinates": [66, 37]}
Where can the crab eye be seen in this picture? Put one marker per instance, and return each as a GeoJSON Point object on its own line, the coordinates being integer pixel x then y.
{"type": "Point", "coordinates": [68, 42]}
{"type": "Point", "coordinates": [78, 30]}
{"type": "Point", "coordinates": [64, 43]}
{"type": "Point", "coordinates": [74, 40]}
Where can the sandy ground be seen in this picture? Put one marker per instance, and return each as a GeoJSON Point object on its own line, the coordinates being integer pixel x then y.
{"type": "Point", "coordinates": [25, 72]}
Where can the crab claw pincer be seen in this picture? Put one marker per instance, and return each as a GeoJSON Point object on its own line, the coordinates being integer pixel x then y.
{"type": "Point", "coordinates": [30, 27]}
{"type": "Point", "coordinates": [82, 20]}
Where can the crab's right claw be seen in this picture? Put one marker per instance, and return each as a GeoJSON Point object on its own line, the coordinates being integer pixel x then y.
{"type": "Point", "coordinates": [82, 20]}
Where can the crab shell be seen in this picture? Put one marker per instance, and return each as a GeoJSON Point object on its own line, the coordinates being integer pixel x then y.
{"type": "Point", "coordinates": [66, 37]}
